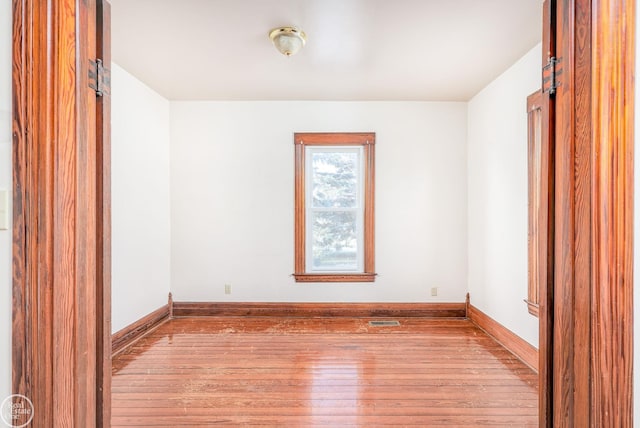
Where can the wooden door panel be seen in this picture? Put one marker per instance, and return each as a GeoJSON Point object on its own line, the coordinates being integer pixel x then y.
{"type": "Point", "coordinates": [611, 333]}
{"type": "Point", "coordinates": [103, 221]}
{"type": "Point", "coordinates": [58, 304]}
{"type": "Point", "coordinates": [592, 318]}
{"type": "Point", "coordinates": [546, 284]}
{"type": "Point", "coordinates": [572, 268]}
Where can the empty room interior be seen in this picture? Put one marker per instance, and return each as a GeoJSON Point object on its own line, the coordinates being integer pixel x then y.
{"type": "Point", "coordinates": [321, 212]}
{"type": "Point", "coordinates": [205, 110]}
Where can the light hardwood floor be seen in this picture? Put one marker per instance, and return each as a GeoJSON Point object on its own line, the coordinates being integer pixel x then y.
{"type": "Point", "coordinates": [338, 372]}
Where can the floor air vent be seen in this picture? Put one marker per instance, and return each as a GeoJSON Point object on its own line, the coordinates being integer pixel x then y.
{"type": "Point", "coordinates": [384, 323]}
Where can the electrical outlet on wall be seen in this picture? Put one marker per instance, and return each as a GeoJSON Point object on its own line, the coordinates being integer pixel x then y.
{"type": "Point", "coordinates": [227, 289]}
{"type": "Point", "coordinates": [434, 291]}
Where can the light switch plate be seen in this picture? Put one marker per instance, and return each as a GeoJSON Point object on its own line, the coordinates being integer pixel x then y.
{"type": "Point", "coordinates": [4, 210]}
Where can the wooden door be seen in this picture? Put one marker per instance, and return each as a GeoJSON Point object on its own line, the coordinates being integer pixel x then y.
{"type": "Point", "coordinates": [61, 271]}
{"type": "Point", "coordinates": [545, 264]}
{"type": "Point", "coordinates": [589, 354]}
{"type": "Point", "coordinates": [103, 220]}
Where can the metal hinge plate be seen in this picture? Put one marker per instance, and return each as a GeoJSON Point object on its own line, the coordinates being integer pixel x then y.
{"type": "Point", "coordinates": [550, 75]}
{"type": "Point", "coordinates": [99, 78]}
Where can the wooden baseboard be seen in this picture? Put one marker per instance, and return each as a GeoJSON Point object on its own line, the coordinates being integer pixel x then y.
{"type": "Point", "coordinates": [519, 347]}
{"type": "Point", "coordinates": [512, 342]}
{"type": "Point", "coordinates": [131, 333]}
{"type": "Point", "coordinates": [359, 310]}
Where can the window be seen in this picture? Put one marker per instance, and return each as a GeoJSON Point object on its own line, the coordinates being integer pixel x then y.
{"type": "Point", "coordinates": [334, 216]}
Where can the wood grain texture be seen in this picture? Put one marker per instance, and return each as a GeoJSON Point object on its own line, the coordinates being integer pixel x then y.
{"type": "Point", "coordinates": [21, 322]}
{"type": "Point", "coordinates": [546, 287]}
{"type": "Point", "coordinates": [86, 228]}
{"type": "Point", "coordinates": [130, 334]}
{"type": "Point", "coordinates": [333, 138]}
{"type": "Point", "coordinates": [538, 173]}
{"type": "Point", "coordinates": [511, 341]}
{"type": "Point", "coordinates": [612, 110]}
{"type": "Point", "coordinates": [301, 310]}
{"type": "Point", "coordinates": [300, 248]}
{"type": "Point", "coordinates": [369, 207]}
{"type": "Point", "coordinates": [332, 277]}
{"type": "Point", "coordinates": [367, 141]}
{"type": "Point", "coordinates": [55, 362]}
{"type": "Point", "coordinates": [34, 129]}
{"type": "Point", "coordinates": [572, 268]}
{"type": "Point", "coordinates": [330, 372]}
{"type": "Point", "coordinates": [582, 186]}
{"type": "Point", "coordinates": [64, 170]}
{"type": "Point", "coordinates": [593, 273]}
{"type": "Point", "coordinates": [103, 223]}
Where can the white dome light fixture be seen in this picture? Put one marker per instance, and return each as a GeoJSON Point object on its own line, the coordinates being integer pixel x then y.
{"type": "Point", "coordinates": [288, 40]}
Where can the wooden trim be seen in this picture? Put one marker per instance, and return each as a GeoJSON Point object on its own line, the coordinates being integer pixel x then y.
{"type": "Point", "coordinates": [58, 359]}
{"type": "Point", "coordinates": [611, 252]}
{"type": "Point", "coordinates": [572, 351]}
{"type": "Point", "coordinates": [538, 199]}
{"type": "Point", "coordinates": [300, 248]}
{"type": "Point", "coordinates": [467, 303]}
{"type": "Point", "coordinates": [334, 138]}
{"type": "Point", "coordinates": [87, 324]}
{"type": "Point", "coordinates": [593, 310]}
{"type": "Point", "coordinates": [23, 328]}
{"type": "Point", "coordinates": [170, 303]}
{"type": "Point", "coordinates": [533, 308]}
{"type": "Point", "coordinates": [368, 310]}
{"type": "Point", "coordinates": [545, 287]}
{"type": "Point", "coordinates": [519, 347]}
{"type": "Point", "coordinates": [103, 221]}
{"type": "Point", "coordinates": [316, 277]}
{"type": "Point", "coordinates": [367, 141]}
{"type": "Point", "coordinates": [571, 368]}
{"type": "Point", "coordinates": [369, 205]}
{"type": "Point", "coordinates": [124, 338]}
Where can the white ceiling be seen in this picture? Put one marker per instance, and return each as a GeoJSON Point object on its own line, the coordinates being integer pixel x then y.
{"type": "Point", "coordinates": [429, 50]}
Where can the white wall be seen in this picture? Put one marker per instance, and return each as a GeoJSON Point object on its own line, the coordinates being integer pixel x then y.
{"type": "Point", "coordinates": [232, 199]}
{"type": "Point", "coordinates": [5, 184]}
{"type": "Point", "coordinates": [497, 171]}
{"type": "Point", "coordinates": [140, 199]}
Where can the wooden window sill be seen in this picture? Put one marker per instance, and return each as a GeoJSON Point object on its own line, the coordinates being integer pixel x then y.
{"type": "Point", "coordinates": [534, 308]}
{"type": "Point", "coordinates": [333, 277]}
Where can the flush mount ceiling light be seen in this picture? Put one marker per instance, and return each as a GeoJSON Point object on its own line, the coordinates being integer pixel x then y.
{"type": "Point", "coordinates": [288, 40]}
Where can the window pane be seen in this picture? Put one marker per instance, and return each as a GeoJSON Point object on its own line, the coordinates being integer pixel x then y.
{"type": "Point", "coordinates": [334, 246]}
{"type": "Point", "coordinates": [334, 179]}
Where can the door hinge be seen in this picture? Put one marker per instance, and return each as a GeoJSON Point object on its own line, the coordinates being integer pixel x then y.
{"type": "Point", "coordinates": [99, 78]}
{"type": "Point", "coordinates": [550, 75]}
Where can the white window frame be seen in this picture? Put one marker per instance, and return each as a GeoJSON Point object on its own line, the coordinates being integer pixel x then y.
{"type": "Point", "coordinates": [310, 209]}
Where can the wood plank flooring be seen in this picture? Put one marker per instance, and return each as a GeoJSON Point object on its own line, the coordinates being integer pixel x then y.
{"type": "Point", "coordinates": [337, 372]}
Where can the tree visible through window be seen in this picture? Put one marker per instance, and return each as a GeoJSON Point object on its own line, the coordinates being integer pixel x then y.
{"type": "Point", "coordinates": [334, 207]}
